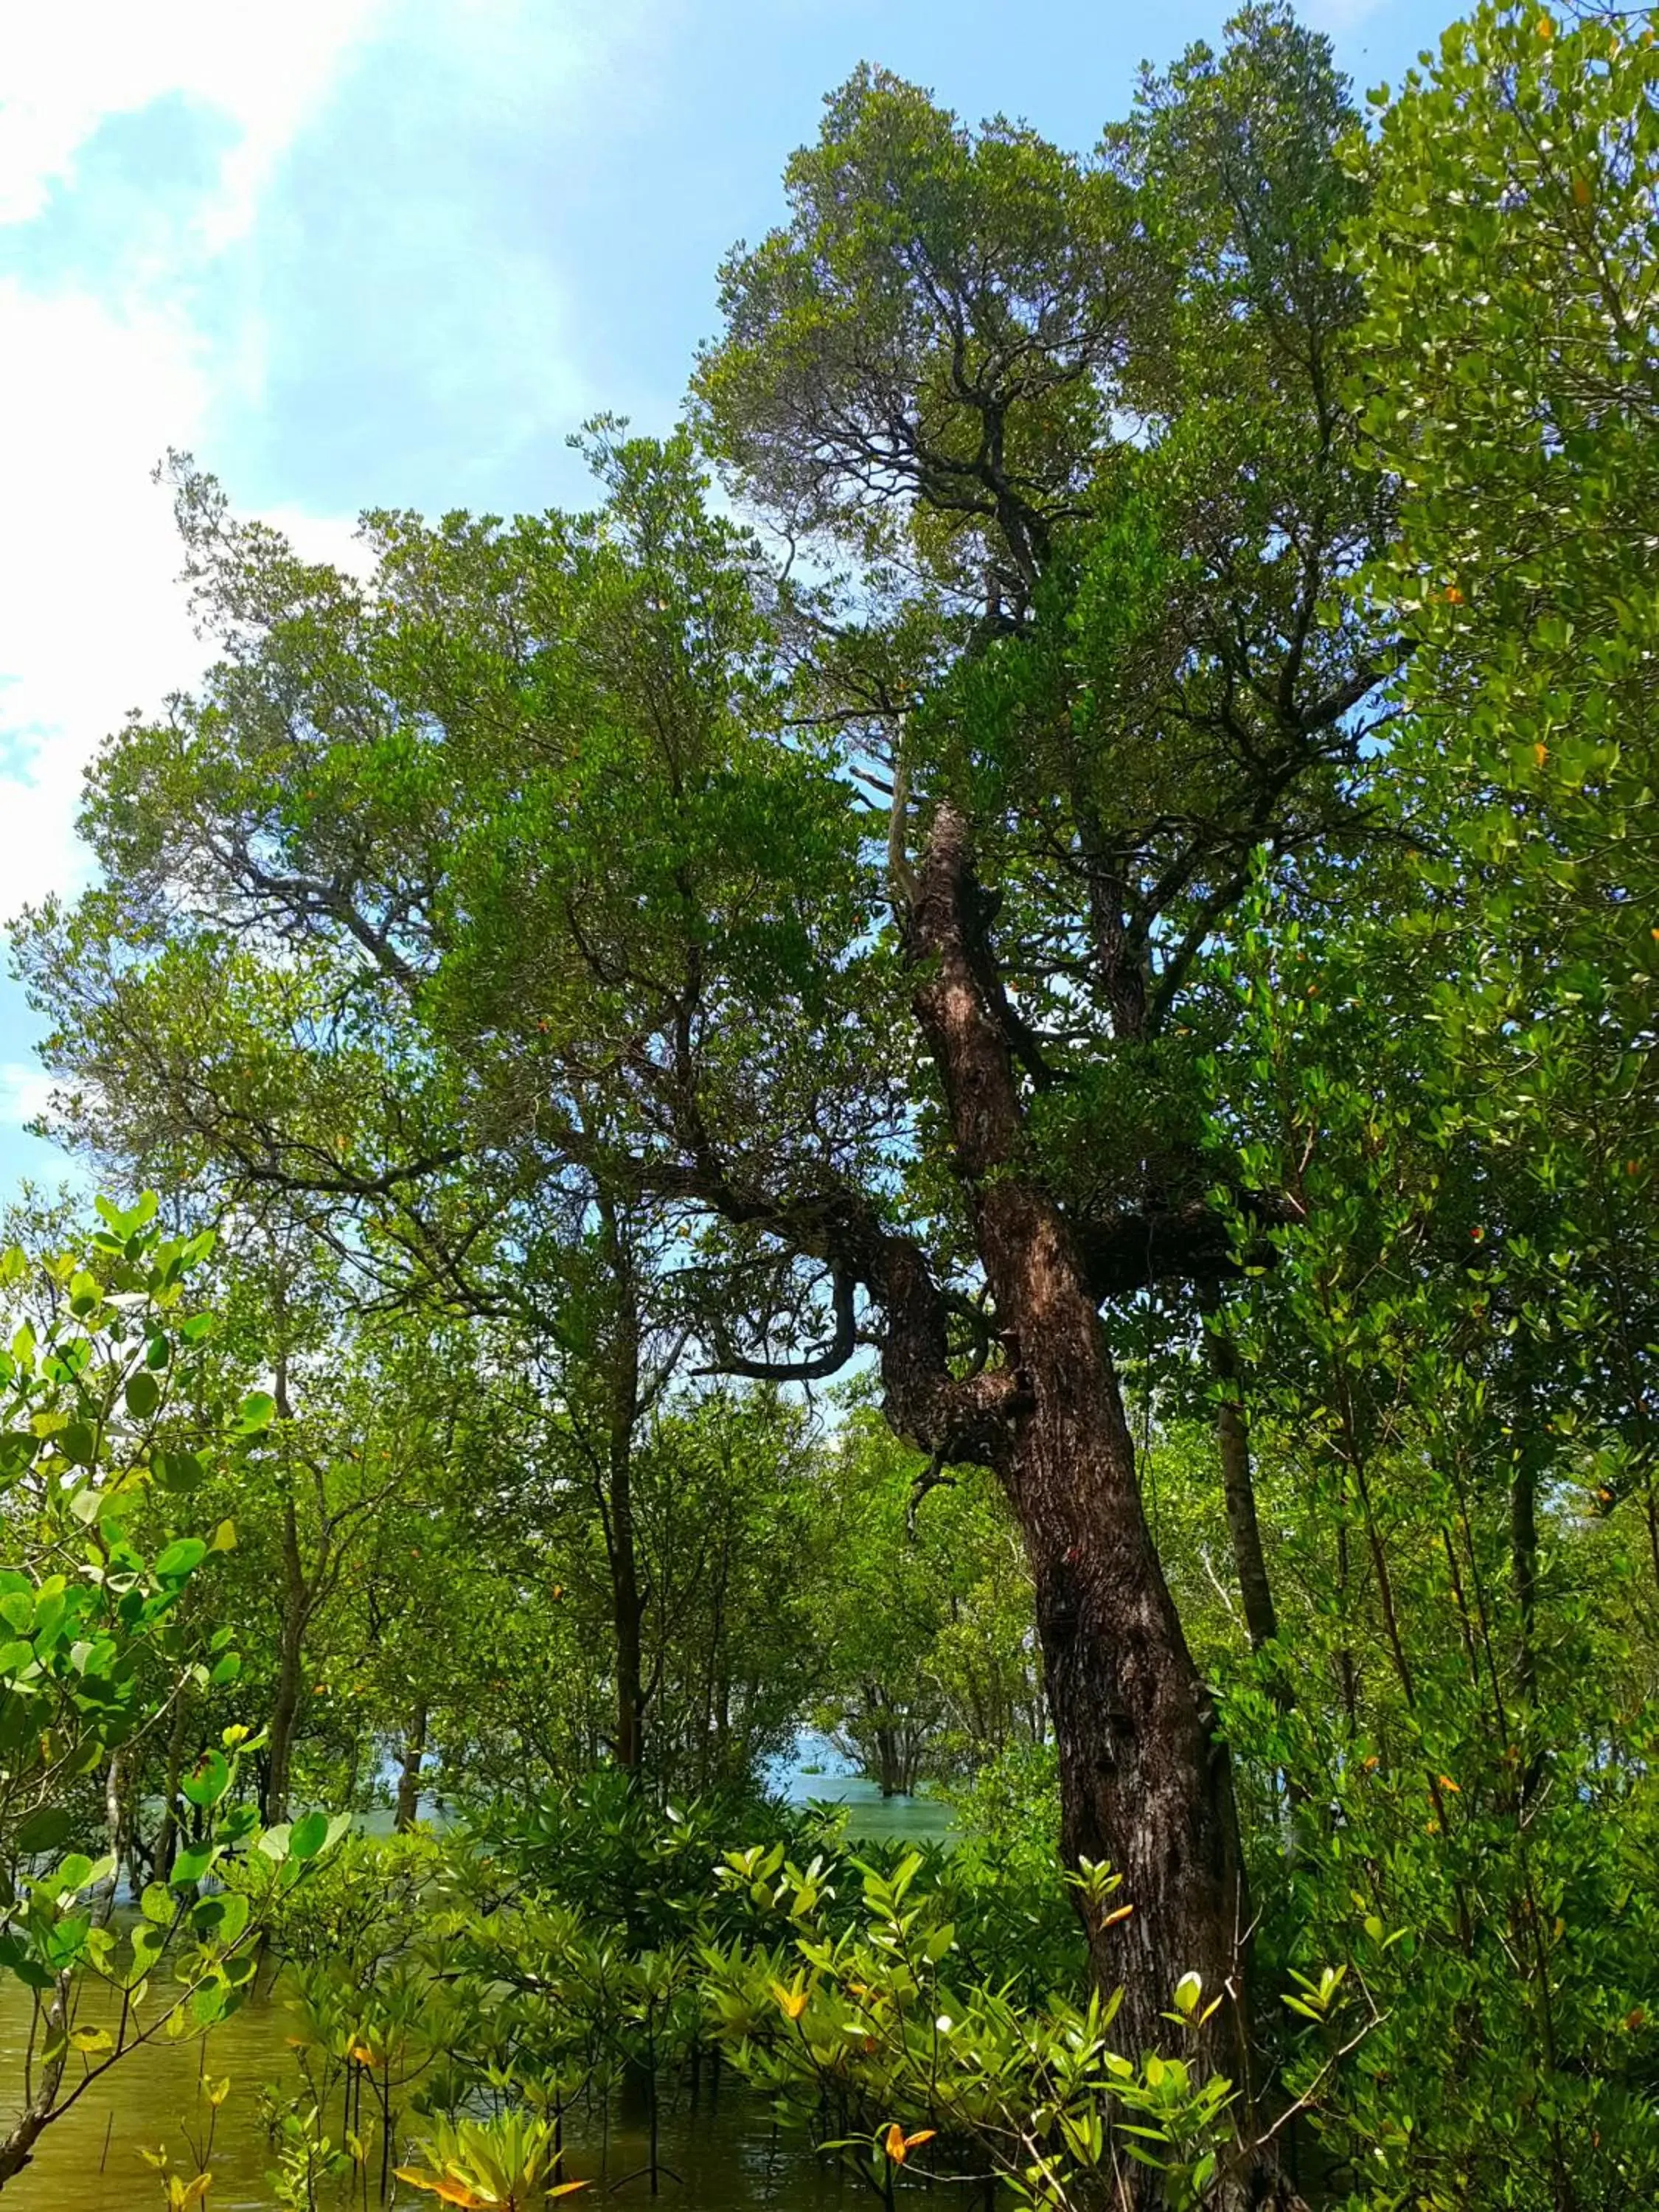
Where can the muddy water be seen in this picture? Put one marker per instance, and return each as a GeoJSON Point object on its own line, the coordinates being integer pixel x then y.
{"type": "Point", "coordinates": [724, 2158]}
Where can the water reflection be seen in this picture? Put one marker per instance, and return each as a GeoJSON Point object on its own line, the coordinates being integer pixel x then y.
{"type": "Point", "coordinates": [726, 2152]}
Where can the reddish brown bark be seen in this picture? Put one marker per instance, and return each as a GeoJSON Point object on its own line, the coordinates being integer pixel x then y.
{"type": "Point", "coordinates": [1144, 1783]}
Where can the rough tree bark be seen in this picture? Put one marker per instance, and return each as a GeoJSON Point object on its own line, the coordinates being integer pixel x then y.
{"type": "Point", "coordinates": [1145, 1783]}
{"type": "Point", "coordinates": [1145, 1786]}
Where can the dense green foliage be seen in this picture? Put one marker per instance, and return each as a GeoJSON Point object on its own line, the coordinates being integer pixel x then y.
{"type": "Point", "coordinates": [1172, 840]}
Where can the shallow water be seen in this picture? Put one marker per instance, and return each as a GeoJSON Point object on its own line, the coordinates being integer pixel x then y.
{"type": "Point", "coordinates": [726, 2154]}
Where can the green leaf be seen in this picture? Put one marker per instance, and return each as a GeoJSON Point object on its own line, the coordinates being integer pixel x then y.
{"type": "Point", "coordinates": [309, 1836]}
{"type": "Point", "coordinates": [221, 1918]}
{"type": "Point", "coordinates": [181, 1558]}
{"type": "Point", "coordinates": [44, 1830]}
{"type": "Point", "coordinates": [208, 1783]}
{"type": "Point", "coordinates": [17, 1451]}
{"type": "Point", "coordinates": [191, 1864]}
{"type": "Point", "coordinates": [259, 1409]}
{"type": "Point", "coordinates": [143, 1395]}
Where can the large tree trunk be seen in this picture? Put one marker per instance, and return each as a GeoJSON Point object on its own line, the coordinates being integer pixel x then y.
{"type": "Point", "coordinates": [883, 1741]}
{"type": "Point", "coordinates": [1145, 1786]}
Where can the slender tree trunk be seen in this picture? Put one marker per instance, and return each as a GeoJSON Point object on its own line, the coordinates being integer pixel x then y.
{"type": "Point", "coordinates": [409, 1772]}
{"type": "Point", "coordinates": [1233, 1450]}
{"type": "Point", "coordinates": [117, 1821]}
{"type": "Point", "coordinates": [290, 1654]}
{"type": "Point", "coordinates": [627, 1600]}
{"type": "Point", "coordinates": [290, 1642]}
{"type": "Point", "coordinates": [1144, 1783]}
{"type": "Point", "coordinates": [1524, 1566]}
{"type": "Point", "coordinates": [17, 2148]}
{"type": "Point", "coordinates": [166, 1835]}
{"type": "Point", "coordinates": [629, 1611]}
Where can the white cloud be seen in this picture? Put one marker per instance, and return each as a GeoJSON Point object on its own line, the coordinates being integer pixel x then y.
{"type": "Point", "coordinates": [89, 397]}
{"type": "Point", "coordinates": [101, 372]}
{"type": "Point", "coordinates": [96, 384]}
{"type": "Point", "coordinates": [25, 1093]}
{"type": "Point", "coordinates": [68, 67]}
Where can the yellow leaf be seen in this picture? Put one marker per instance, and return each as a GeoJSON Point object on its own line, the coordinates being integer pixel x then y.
{"type": "Point", "coordinates": [1112, 1919]}
{"type": "Point", "coordinates": [894, 2144]}
{"type": "Point", "coordinates": [1545, 28]}
{"type": "Point", "coordinates": [1541, 753]}
{"type": "Point", "coordinates": [793, 2001]}
{"type": "Point", "coordinates": [440, 2186]}
{"type": "Point", "coordinates": [569, 2188]}
{"type": "Point", "coordinates": [921, 2136]}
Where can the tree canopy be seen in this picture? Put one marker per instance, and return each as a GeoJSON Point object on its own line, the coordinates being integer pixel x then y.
{"type": "Point", "coordinates": [974, 1067]}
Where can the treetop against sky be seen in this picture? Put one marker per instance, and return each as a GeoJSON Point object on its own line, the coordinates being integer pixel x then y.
{"type": "Point", "coordinates": [378, 253]}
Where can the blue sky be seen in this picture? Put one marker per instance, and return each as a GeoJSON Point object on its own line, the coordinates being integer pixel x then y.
{"type": "Point", "coordinates": [355, 252]}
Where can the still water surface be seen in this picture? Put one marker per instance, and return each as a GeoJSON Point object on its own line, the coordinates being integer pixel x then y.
{"type": "Point", "coordinates": [728, 2158]}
